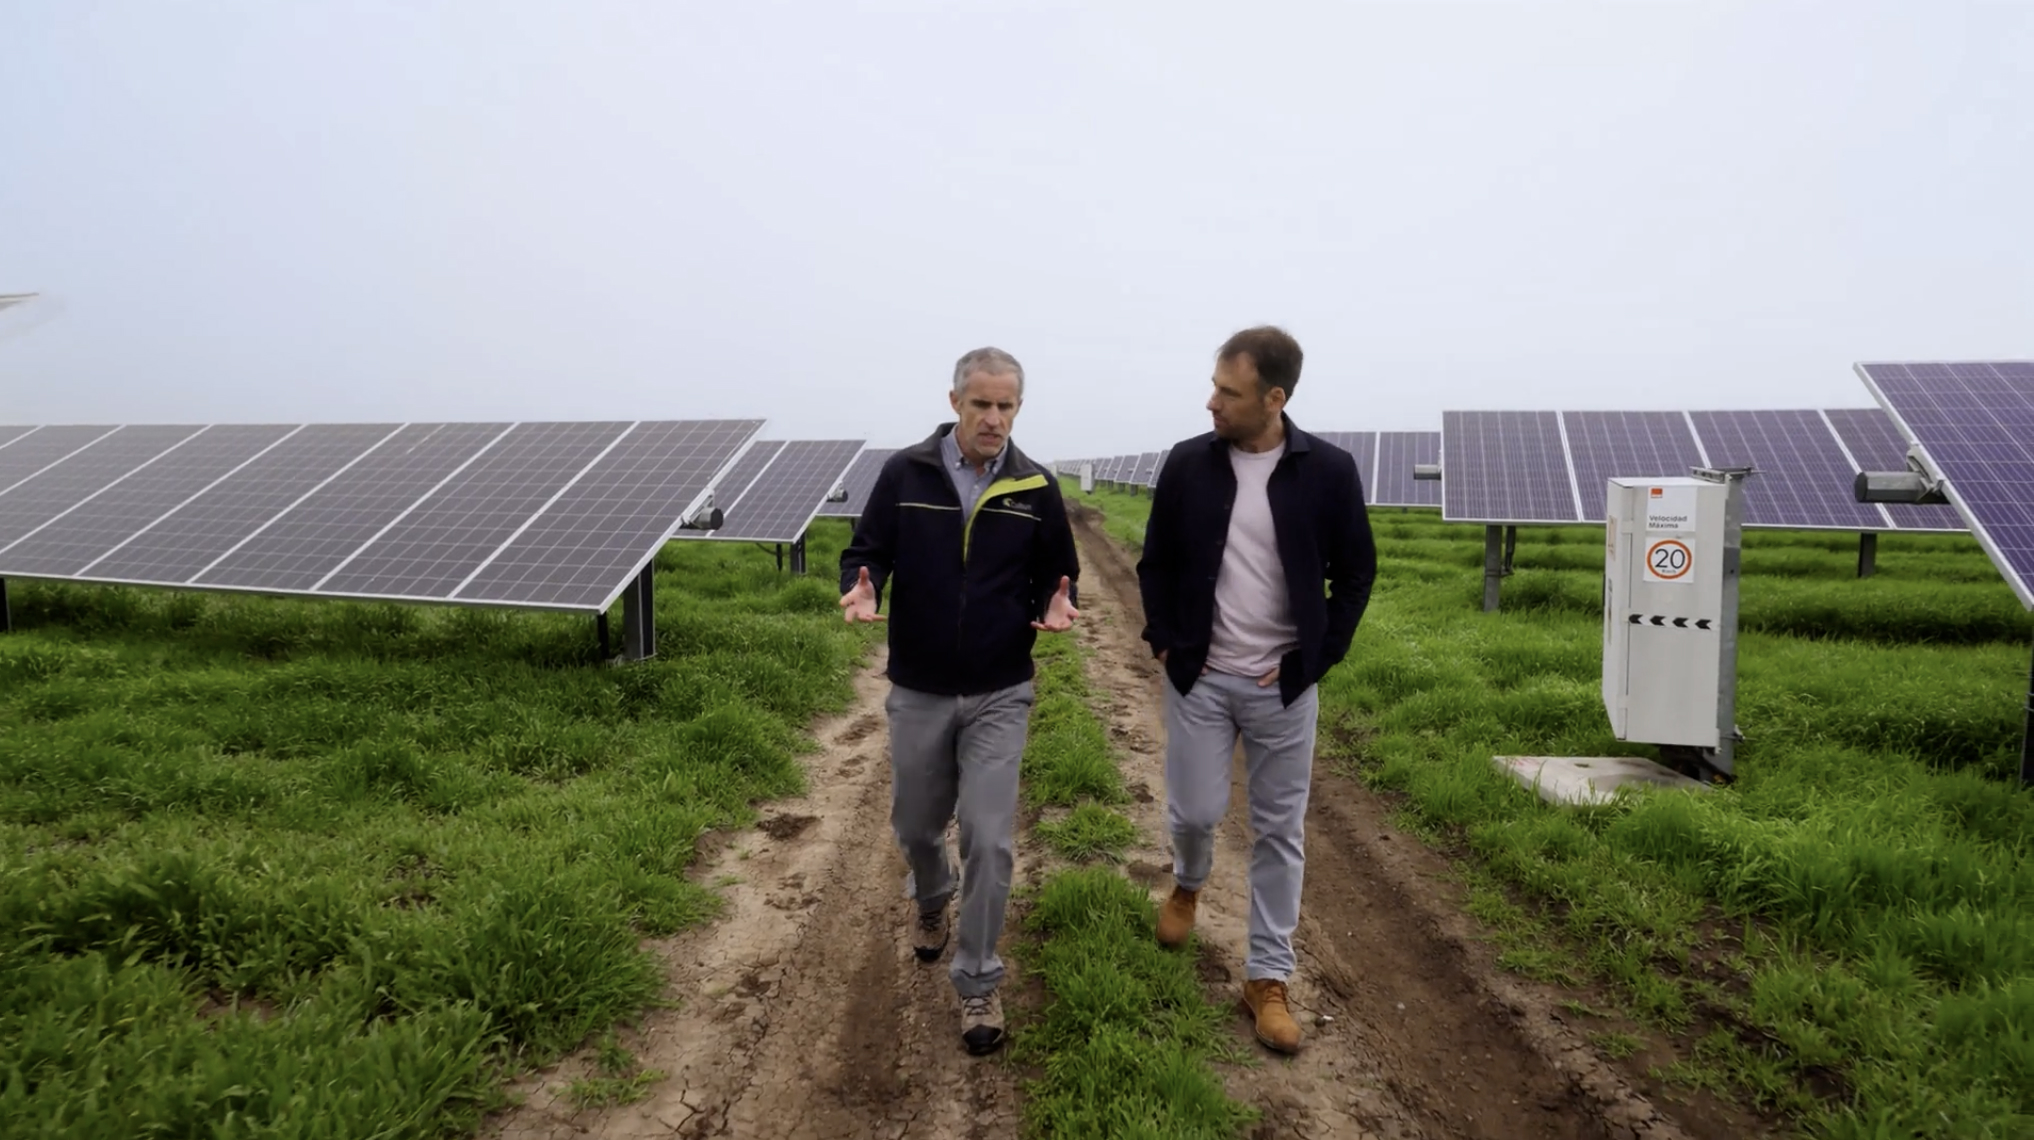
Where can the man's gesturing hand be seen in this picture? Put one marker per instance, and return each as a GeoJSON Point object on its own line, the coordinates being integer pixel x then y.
{"type": "Point", "coordinates": [859, 604]}
{"type": "Point", "coordinates": [1059, 612]}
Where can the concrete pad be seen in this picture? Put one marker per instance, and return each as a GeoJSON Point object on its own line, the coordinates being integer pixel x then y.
{"type": "Point", "coordinates": [1589, 779]}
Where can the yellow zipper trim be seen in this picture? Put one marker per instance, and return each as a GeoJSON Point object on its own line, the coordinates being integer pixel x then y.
{"type": "Point", "coordinates": [999, 487]}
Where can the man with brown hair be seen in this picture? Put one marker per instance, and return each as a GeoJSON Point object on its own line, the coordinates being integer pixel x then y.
{"type": "Point", "coordinates": [1258, 562]}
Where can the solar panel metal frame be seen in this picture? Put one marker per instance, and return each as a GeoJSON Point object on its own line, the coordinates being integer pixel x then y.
{"type": "Point", "coordinates": [2022, 585]}
{"type": "Point", "coordinates": [742, 432]}
{"type": "Point", "coordinates": [798, 461]}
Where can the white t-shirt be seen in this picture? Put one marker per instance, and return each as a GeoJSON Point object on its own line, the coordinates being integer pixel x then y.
{"type": "Point", "coordinates": [1253, 614]}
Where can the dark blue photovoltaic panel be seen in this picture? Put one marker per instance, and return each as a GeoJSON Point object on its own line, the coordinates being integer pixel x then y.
{"type": "Point", "coordinates": [299, 547]}
{"type": "Point", "coordinates": [780, 503]}
{"type": "Point", "coordinates": [65, 545]}
{"type": "Point", "coordinates": [38, 500]}
{"type": "Point", "coordinates": [1504, 467]}
{"type": "Point", "coordinates": [741, 474]}
{"type": "Point", "coordinates": [1974, 424]}
{"type": "Point", "coordinates": [860, 480]}
{"type": "Point", "coordinates": [1803, 480]}
{"type": "Point", "coordinates": [441, 540]}
{"type": "Point", "coordinates": [1873, 441]}
{"type": "Point", "coordinates": [1398, 452]}
{"type": "Point", "coordinates": [581, 552]}
{"type": "Point", "coordinates": [45, 445]}
{"type": "Point", "coordinates": [198, 533]}
{"type": "Point", "coordinates": [1639, 445]}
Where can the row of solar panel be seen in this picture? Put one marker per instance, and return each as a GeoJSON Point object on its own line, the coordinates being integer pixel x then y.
{"type": "Point", "coordinates": [542, 515]}
{"type": "Point", "coordinates": [1384, 460]}
{"type": "Point", "coordinates": [1549, 467]}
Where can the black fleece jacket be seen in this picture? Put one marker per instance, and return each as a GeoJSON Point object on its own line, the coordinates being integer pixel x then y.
{"type": "Point", "coordinates": [1324, 540]}
{"type": "Point", "coordinates": [963, 595]}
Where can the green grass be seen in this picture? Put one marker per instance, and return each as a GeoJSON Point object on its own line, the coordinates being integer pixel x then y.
{"type": "Point", "coordinates": [290, 869]}
{"type": "Point", "coordinates": [1125, 1036]}
{"type": "Point", "coordinates": [1090, 833]}
{"type": "Point", "coordinates": [1127, 1039]}
{"type": "Point", "coordinates": [1123, 513]}
{"type": "Point", "coordinates": [1847, 932]}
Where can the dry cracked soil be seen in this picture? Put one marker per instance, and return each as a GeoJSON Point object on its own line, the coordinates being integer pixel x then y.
{"type": "Point", "coordinates": [801, 1011]}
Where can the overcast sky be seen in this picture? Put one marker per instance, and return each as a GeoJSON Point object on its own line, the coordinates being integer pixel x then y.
{"type": "Point", "coordinates": [566, 210]}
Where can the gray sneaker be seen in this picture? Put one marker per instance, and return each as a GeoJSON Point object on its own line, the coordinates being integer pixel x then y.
{"type": "Point", "coordinates": [929, 934]}
{"type": "Point", "coordinates": [982, 1023]}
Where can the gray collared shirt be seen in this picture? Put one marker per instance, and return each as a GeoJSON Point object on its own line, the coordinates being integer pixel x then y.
{"type": "Point", "coordinates": [968, 485]}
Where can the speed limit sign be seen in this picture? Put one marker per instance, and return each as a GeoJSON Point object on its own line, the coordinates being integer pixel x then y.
{"type": "Point", "coordinates": [1670, 560]}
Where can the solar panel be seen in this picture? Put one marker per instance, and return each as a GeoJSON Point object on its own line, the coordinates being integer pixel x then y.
{"type": "Point", "coordinates": [589, 543]}
{"type": "Point", "coordinates": [93, 526]}
{"type": "Point", "coordinates": [295, 550]}
{"type": "Point", "coordinates": [1607, 445]}
{"type": "Point", "coordinates": [1804, 480]}
{"type": "Point", "coordinates": [1146, 464]}
{"type": "Point", "coordinates": [1875, 444]}
{"type": "Point", "coordinates": [1973, 423]}
{"type": "Point", "coordinates": [1160, 465]}
{"type": "Point", "coordinates": [1398, 452]}
{"type": "Point", "coordinates": [859, 480]}
{"type": "Point", "coordinates": [42, 448]}
{"type": "Point", "coordinates": [1505, 467]}
{"type": "Point", "coordinates": [431, 548]}
{"type": "Point", "coordinates": [782, 501]}
{"type": "Point", "coordinates": [61, 487]}
{"type": "Point", "coordinates": [194, 535]}
{"type": "Point", "coordinates": [8, 434]}
{"type": "Point", "coordinates": [735, 481]}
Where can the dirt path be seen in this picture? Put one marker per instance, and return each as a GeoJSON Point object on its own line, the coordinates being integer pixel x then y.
{"type": "Point", "coordinates": [1410, 1030]}
{"type": "Point", "coordinates": [801, 1012]}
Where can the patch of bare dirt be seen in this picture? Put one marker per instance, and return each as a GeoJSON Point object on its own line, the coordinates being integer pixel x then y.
{"type": "Point", "coordinates": [1411, 1028]}
{"type": "Point", "coordinates": [802, 1011]}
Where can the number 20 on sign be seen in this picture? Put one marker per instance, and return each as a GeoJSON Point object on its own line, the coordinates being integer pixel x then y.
{"type": "Point", "coordinates": [1670, 560]}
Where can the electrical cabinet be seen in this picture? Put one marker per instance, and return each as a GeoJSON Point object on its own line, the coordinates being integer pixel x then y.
{"type": "Point", "coordinates": [1669, 640]}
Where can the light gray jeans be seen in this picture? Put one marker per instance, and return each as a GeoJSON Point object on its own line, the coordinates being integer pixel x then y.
{"type": "Point", "coordinates": [1201, 729]}
{"type": "Point", "coordinates": [958, 757]}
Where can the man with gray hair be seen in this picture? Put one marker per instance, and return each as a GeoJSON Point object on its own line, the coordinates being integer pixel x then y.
{"type": "Point", "coordinates": [972, 540]}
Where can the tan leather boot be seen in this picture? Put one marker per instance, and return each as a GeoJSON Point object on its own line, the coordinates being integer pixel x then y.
{"type": "Point", "coordinates": [1265, 999]}
{"type": "Point", "coordinates": [1176, 917]}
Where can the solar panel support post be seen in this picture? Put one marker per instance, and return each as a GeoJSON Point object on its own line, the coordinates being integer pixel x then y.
{"type": "Point", "coordinates": [1493, 566]}
{"type": "Point", "coordinates": [639, 616]}
{"type": "Point", "coordinates": [1510, 547]}
{"type": "Point", "coordinates": [6, 613]}
{"type": "Point", "coordinates": [798, 556]}
{"type": "Point", "coordinates": [1867, 553]}
{"type": "Point", "coordinates": [600, 631]}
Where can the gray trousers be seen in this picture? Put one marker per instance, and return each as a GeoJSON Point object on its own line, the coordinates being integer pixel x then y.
{"type": "Point", "coordinates": [958, 757]}
{"type": "Point", "coordinates": [1278, 744]}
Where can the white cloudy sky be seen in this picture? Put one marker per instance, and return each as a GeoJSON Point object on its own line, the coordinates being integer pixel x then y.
{"type": "Point", "coordinates": [413, 210]}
